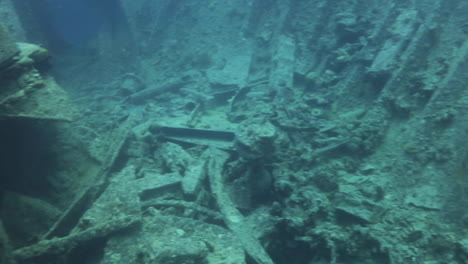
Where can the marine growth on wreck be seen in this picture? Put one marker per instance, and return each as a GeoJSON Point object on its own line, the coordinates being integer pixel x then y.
{"type": "Point", "coordinates": [233, 132]}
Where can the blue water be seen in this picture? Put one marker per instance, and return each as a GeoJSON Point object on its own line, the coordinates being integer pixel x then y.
{"type": "Point", "coordinates": [76, 21]}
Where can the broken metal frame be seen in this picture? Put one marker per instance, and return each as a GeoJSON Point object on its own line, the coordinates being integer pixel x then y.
{"type": "Point", "coordinates": [61, 238]}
